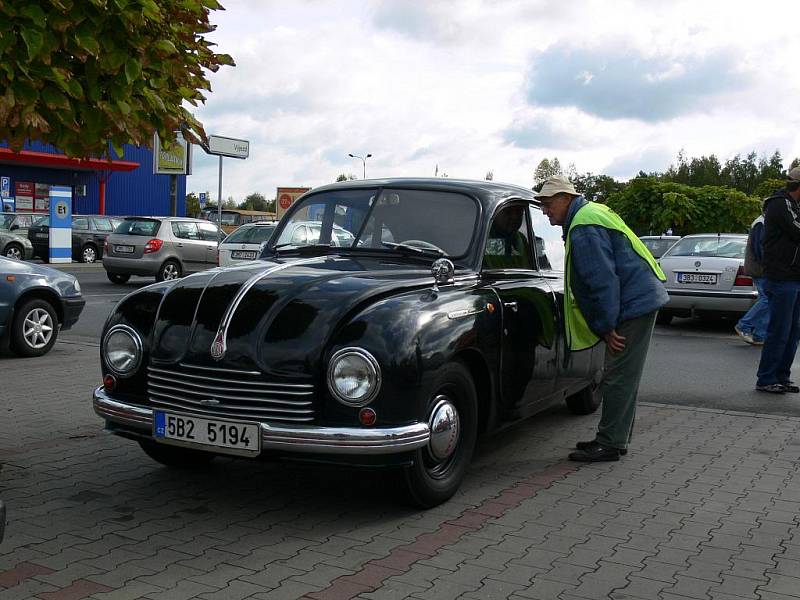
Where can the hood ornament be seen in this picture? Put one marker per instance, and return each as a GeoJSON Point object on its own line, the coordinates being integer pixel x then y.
{"type": "Point", "coordinates": [442, 270]}
{"type": "Point", "coordinates": [218, 346]}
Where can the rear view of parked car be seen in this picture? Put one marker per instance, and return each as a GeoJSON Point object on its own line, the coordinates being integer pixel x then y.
{"type": "Point", "coordinates": [245, 243]}
{"type": "Point", "coordinates": [705, 277]}
{"type": "Point", "coordinates": [15, 246]}
{"type": "Point", "coordinates": [89, 233]}
{"type": "Point", "coordinates": [160, 247]}
{"type": "Point", "coordinates": [35, 303]}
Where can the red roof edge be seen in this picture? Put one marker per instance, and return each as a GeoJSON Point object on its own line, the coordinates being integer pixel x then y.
{"type": "Point", "coordinates": [29, 157]}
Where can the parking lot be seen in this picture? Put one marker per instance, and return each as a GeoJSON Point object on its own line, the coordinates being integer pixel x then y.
{"type": "Point", "coordinates": [704, 506]}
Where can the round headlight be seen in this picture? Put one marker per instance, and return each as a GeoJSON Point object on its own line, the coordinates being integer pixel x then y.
{"type": "Point", "coordinates": [122, 349]}
{"type": "Point", "coordinates": [354, 376]}
{"type": "Point", "coordinates": [77, 287]}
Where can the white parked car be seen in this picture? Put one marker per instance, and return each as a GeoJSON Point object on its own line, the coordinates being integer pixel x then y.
{"type": "Point", "coordinates": [244, 243]}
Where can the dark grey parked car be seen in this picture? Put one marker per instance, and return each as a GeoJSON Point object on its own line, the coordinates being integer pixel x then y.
{"type": "Point", "coordinates": [89, 233]}
{"type": "Point", "coordinates": [35, 302]}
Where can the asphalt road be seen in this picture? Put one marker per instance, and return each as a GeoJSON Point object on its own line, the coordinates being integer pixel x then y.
{"type": "Point", "coordinates": [691, 362]}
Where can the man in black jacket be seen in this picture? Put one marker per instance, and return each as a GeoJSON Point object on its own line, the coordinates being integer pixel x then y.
{"type": "Point", "coordinates": [782, 272]}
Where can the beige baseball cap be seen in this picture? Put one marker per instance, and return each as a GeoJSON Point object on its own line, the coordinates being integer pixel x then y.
{"type": "Point", "coordinates": [793, 175]}
{"type": "Point", "coordinates": [557, 184]}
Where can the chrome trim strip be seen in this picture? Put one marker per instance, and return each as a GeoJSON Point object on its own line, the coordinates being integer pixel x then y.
{"type": "Point", "coordinates": [257, 394]}
{"type": "Point", "coordinates": [302, 386]}
{"type": "Point", "coordinates": [188, 366]}
{"type": "Point", "coordinates": [220, 345]}
{"type": "Point", "coordinates": [309, 438]}
{"type": "Point", "coordinates": [218, 413]}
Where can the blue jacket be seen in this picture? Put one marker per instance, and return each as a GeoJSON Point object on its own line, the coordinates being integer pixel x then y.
{"type": "Point", "coordinates": [610, 282]}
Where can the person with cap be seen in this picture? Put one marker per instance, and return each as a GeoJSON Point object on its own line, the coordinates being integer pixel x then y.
{"type": "Point", "coordinates": [782, 286]}
{"type": "Point", "coordinates": [752, 327]}
{"type": "Point", "coordinates": [613, 289]}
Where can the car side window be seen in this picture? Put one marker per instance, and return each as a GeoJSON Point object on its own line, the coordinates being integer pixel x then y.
{"type": "Point", "coordinates": [80, 223]}
{"type": "Point", "coordinates": [548, 243]}
{"type": "Point", "coordinates": [208, 232]}
{"type": "Point", "coordinates": [102, 224]}
{"type": "Point", "coordinates": [184, 230]}
{"type": "Point", "coordinates": [508, 245]}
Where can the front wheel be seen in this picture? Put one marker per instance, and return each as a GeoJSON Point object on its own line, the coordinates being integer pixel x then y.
{"type": "Point", "coordinates": [452, 414]}
{"type": "Point", "coordinates": [14, 251]}
{"type": "Point", "coordinates": [586, 401]}
{"type": "Point", "coordinates": [171, 269]}
{"type": "Point", "coordinates": [35, 328]}
{"type": "Point", "coordinates": [174, 456]}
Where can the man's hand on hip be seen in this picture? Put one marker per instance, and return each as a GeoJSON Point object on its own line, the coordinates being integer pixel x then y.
{"type": "Point", "coordinates": [614, 341]}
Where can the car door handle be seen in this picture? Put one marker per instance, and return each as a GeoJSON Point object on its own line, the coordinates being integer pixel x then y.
{"type": "Point", "coordinates": [179, 245]}
{"type": "Point", "coordinates": [512, 305]}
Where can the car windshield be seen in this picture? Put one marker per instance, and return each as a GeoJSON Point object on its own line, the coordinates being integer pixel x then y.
{"type": "Point", "coordinates": [722, 247]}
{"type": "Point", "coordinates": [6, 221]}
{"type": "Point", "coordinates": [147, 227]}
{"type": "Point", "coordinates": [422, 221]}
{"type": "Point", "coordinates": [658, 247]}
{"type": "Point", "coordinates": [251, 235]}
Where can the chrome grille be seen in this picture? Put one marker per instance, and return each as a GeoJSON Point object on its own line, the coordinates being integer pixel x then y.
{"type": "Point", "coordinates": [229, 393]}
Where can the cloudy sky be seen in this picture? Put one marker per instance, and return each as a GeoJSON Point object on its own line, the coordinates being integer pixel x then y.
{"type": "Point", "coordinates": [494, 85]}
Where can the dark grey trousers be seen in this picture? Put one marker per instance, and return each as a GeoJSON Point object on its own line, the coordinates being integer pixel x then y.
{"type": "Point", "coordinates": [620, 385]}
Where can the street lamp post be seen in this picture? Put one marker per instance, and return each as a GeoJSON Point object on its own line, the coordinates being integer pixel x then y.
{"type": "Point", "coordinates": [363, 161]}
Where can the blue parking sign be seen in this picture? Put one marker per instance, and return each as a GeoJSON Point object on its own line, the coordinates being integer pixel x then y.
{"type": "Point", "coordinates": [202, 199]}
{"type": "Point", "coordinates": [5, 187]}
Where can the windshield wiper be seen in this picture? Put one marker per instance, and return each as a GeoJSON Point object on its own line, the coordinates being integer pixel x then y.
{"type": "Point", "coordinates": [417, 249]}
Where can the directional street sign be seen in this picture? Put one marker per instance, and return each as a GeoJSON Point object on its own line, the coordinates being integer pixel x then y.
{"type": "Point", "coordinates": [225, 146]}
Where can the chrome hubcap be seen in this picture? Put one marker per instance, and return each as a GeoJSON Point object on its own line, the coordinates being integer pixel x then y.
{"type": "Point", "coordinates": [170, 272]}
{"type": "Point", "coordinates": [89, 255]}
{"type": "Point", "coordinates": [14, 253]}
{"type": "Point", "coordinates": [37, 329]}
{"type": "Point", "coordinates": [445, 429]}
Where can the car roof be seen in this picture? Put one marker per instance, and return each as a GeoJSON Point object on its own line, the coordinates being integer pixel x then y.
{"type": "Point", "coordinates": [732, 236]}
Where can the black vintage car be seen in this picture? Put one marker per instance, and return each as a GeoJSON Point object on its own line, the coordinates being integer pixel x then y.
{"type": "Point", "coordinates": [439, 321]}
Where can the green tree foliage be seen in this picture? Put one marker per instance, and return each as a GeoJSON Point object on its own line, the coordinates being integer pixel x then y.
{"type": "Point", "coordinates": [254, 201]}
{"type": "Point", "coordinates": [546, 168]}
{"type": "Point", "coordinates": [650, 206]}
{"type": "Point", "coordinates": [192, 205]}
{"type": "Point", "coordinates": [80, 74]}
{"type": "Point", "coordinates": [596, 187]}
{"type": "Point", "coordinates": [229, 203]}
{"type": "Point", "coordinates": [766, 188]}
{"type": "Point", "coordinates": [343, 177]}
{"type": "Point", "coordinates": [743, 174]}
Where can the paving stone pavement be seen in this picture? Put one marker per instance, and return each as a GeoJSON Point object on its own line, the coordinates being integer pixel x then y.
{"type": "Point", "coordinates": [705, 506]}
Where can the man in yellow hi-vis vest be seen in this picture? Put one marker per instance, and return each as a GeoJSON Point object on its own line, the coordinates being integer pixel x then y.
{"type": "Point", "coordinates": [613, 289]}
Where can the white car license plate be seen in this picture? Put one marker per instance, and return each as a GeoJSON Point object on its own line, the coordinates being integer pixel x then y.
{"type": "Point", "coordinates": [41, 235]}
{"type": "Point", "coordinates": [243, 254]}
{"type": "Point", "coordinates": [124, 249]}
{"type": "Point", "coordinates": [230, 437]}
{"type": "Point", "coordinates": [709, 278]}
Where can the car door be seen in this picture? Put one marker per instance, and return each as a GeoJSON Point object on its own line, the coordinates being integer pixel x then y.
{"type": "Point", "coordinates": [571, 368]}
{"type": "Point", "coordinates": [210, 234]}
{"type": "Point", "coordinates": [191, 250]}
{"type": "Point", "coordinates": [101, 228]}
{"type": "Point", "coordinates": [80, 235]}
{"type": "Point", "coordinates": [529, 350]}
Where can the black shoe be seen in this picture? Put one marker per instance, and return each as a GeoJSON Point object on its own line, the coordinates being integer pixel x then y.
{"type": "Point", "coordinates": [585, 445]}
{"type": "Point", "coordinates": [772, 388]}
{"type": "Point", "coordinates": [595, 453]}
{"type": "Point", "coordinates": [791, 387]}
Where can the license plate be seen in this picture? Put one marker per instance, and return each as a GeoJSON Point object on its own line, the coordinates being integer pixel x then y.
{"type": "Point", "coordinates": [708, 278]}
{"type": "Point", "coordinates": [124, 249]}
{"type": "Point", "coordinates": [41, 235]}
{"type": "Point", "coordinates": [229, 437]}
{"type": "Point", "coordinates": [244, 254]}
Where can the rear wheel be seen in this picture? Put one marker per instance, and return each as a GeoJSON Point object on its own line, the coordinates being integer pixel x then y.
{"type": "Point", "coordinates": [14, 251]}
{"type": "Point", "coordinates": [118, 278]}
{"type": "Point", "coordinates": [174, 456]}
{"type": "Point", "coordinates": [586, 401]}
{"type": "Point", "coordinates": [171, 269]}
{"type": "Point", "coordinates": [452, 414]}
{"type": "Point", "coordinates": [35, 328]}
{"type": "Point", "coordinates": [88, 254]}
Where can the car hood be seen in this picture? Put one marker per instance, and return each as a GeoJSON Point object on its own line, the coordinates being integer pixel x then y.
{"type": "Point", "coordinates": [20, 267]}
{"type": "Point", "coordinates": [275, 316]}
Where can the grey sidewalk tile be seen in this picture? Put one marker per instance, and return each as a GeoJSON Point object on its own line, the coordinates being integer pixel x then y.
{"type": "Point", "coordinates": [494, 590]}
{"type": "Point", "coordinates": [119, 576]}
{"type": "Point", "coordinates": [170, 576]}
{"type": "Point", "coordinates": [320, 576]}
{"type": "Point", "coordinates": [781, 584]}
{"type": "Point", "coordinates": [26, 590]}
{"type": "Point", "coordinates": [566, 573]}
{"type": "Point", "coordinates": [471, 575]}
{"type": "Point", "coordinates": [235, 590]}
{"type": "Point", "coordinates": [691, 587]}
{"type": "Point", "coordinates": [545, 589]}
{"type": "Point", "coordinates": [518, 574]}
{"type": "Point", "coordinates": [222, 575]}
{"type": "Point", "coordinates": [287, 590]}
{"type": "Point", "coordinates": [184, 590]}
{"type": "Point", "coordinates": [539, 558]}
{"type": "Point", "coordinates": [70, 574]}
{"type": "Point", "coordinates": [131, 591]}
{"type": "Point", "coordinates": [352, 559]}
{"type": "Point", "coordinates": [443, 589]}
{"type": "Point", "coordinates": [388, 591]}
{"type": "Point", "coordinates": [641, 587]}
{"type": "Point", "coordinates": [742, 586]}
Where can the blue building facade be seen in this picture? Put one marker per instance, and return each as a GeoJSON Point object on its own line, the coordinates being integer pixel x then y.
{"type": "Point", "coordinates": [131, 187]}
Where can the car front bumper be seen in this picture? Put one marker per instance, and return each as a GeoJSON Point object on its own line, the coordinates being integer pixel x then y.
{"type": "Point", "coordinates": [302, 439]}
{"type": "Point", "coordinates": [72, 310]}
{"type": "Point", "coordinates": [722, 302]}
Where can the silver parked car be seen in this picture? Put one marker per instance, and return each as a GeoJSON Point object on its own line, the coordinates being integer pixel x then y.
{"type": "Point", "coordinates": [245, 243]}
{"type": "Point", "coordinates": [705, 276]}
{"type": "Point", "coordinates": [160, 247]}
{"type": "Point", "coordinates": [659, 244]}
{"type": "Point", "coordinates": [15, 246]}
